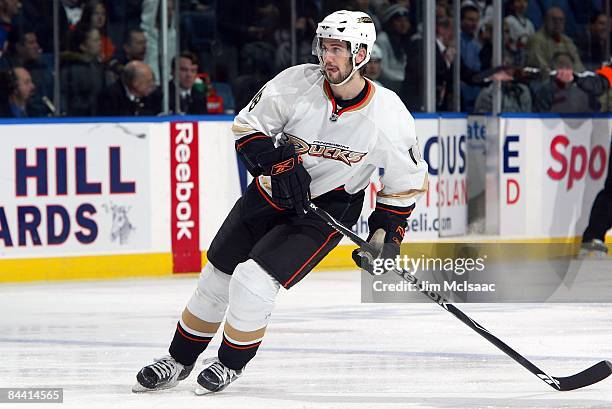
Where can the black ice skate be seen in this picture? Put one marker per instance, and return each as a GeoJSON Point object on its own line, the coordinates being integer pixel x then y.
{"type": "Point", "coordinates": [215, 377]}
{"type": "Point", "coordinates": [163, 374]}
{"type": "Point", "coordinates": [594, 248]}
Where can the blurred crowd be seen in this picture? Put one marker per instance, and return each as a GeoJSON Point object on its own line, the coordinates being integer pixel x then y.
{"type": "Point", "coordinates": [110, 53]}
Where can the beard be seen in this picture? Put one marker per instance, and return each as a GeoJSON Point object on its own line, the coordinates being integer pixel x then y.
{"type": "Point", "coordinates": [340, 75]}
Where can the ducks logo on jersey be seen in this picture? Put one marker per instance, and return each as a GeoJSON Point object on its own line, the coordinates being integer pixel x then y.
{"type": "Point", "coordinates": [328, 150]}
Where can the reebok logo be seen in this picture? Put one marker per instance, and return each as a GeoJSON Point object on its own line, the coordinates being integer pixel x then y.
{"type": "Point", "coordinates": [184, 185]}
{"type": "Point", "coordinates": [184, 178]}
{"type": "Point", "coordinates": [282, 167]}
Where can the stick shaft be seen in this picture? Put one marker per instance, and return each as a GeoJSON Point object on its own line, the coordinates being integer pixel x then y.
{"type": "Point", "coordinates": [442, 302]}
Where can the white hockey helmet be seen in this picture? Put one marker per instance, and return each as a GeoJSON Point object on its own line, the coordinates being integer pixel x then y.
{"type": "Point", "coordinates": [354, 27]}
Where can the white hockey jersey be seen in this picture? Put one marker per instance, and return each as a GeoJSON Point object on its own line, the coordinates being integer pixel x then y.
{"type": "Point", "coordinates": [343, 148]}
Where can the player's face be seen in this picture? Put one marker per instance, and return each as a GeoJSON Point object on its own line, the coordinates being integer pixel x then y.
{"type": "Point", "coordinates": [336, 57]}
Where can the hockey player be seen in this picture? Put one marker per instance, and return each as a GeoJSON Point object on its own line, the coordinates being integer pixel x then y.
{"type": "Point", "coordinates": [314, 132]}
{"type": "Point", "coordinates": [600, 219]}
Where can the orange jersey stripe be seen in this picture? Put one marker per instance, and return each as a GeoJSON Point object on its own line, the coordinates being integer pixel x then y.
{"type": "Point", "coordinates": [394, 211]}
{"type": "Point", "coordinates": [178, 327]}
{"type": "Point", "coordinates": [311, 257]}
{"type": "Point", "coordinates": [256, 136]}
{"type": "Point", "coordinates": [265, 196]}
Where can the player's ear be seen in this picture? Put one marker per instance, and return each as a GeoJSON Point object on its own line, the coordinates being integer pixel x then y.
{"type": "Point", "coordinates": [361, 55]}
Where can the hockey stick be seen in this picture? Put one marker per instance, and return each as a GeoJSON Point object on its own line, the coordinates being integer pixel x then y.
{"type": "Point", "coordinates": [587, 377]}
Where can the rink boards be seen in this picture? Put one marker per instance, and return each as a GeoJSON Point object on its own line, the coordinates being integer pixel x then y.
{"type": "Point", "coordinates": [117, 197]}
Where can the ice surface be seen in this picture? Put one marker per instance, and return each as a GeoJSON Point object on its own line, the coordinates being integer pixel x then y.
{"type": "Point", "coordinates": [323, 348]}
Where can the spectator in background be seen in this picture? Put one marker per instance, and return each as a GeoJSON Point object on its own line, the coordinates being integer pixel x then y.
{"type": "Point", "coordinates": [72, 10]}
{"type": "Point", "coordinates": [442, 12]}
{"type": "Point", "coordinates": [485, 37]}
{"type": "Point", "coordinates": [267, 22]}
{"type": "Point", "coordinates": [94, 15]}
{"type": "Point", "coordinates": [486, 40]}
{"type": "Point", "coordinates": [134, 48]}
{"type": "Point", "coordinates": [8, 10]}
{"type": "Point", "coordinates": [393, 42]}
{"type": "Point", "coordinates": [151, 25]}
{"type": "Point", "coordinates": [24, 51]}
{"type": "Point", "coordinates": [121, 17]}
{"type": "Point", "coordinates": [549, 41]}
{"type": "Point", "coordinates": [16, 89]}
{"type": "Point", "coordinates": [516, 96]}
{"type": "Point", "coordinates": [560, 95]}
{"type": "Point", "coordinates": [82, 76]}
{"type": "Point", "coordinates": [192, 100]}
{"type": "Point", "coordinates": [520, 30]}
{"type": "Point", "coordinates": [306, 28]}
{"type": "Point", "coordinates": [592, 44]}
{"type": "Point", "coordinates": [470, 45]}
{"type": "Point", "coordinates": [470, 56]}
{"type": "Point", "coordinates": [69, 16]}
{"type": "Point", "coordinates": [412, 88]}
{"type": "Point", "coordinates": [39, 14]}
{"type": "Point", "coordinates": [373, 69]}
{"type": "Point", "coordinates": [243, 25]}
{"type": "Point", "coordinates": [134, 95]}
{"type": "Point", "coordinates": [367, 7]}
{"type": "Point", "coordinates": [257, 72]}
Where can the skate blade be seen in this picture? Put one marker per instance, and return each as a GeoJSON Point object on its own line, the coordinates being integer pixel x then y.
{"type": "Point", "coordinates": [591, 255]}
{"type": "Point", "coordinates": [138, 388]}
{"type": "Point", "coordinates": [201, 391]}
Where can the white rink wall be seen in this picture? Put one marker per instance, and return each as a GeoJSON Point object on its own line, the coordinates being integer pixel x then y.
{"type": "Point", "coordinates": [111, 197]}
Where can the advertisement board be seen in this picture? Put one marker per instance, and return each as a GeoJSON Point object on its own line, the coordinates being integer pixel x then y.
{"type": "Point", "coordinates": [476, 153]}
{"type": "Point", "coordinates": [447, 187]}
{"type": "Point", "coordinates": [452, 174]}
{"type": "Point", "coordinates": [550, 171]}
{"type": "Point", "coordinates": [84, 190]}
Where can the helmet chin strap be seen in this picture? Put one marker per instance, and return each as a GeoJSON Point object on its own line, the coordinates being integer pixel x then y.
{"type": "Point", "coordinates": [347, 79]}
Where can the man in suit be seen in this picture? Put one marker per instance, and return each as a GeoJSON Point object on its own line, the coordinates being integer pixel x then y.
{"type": "Point", "coordinates": [412, 88]}
{"type": "Point", "coordinates": [16, 88]}
{"type": "Point", "coordinates": [24, 51]}
{"type": "Point", "coordinates": [192, 100]}
{"type": "Point", "coordinates": [134, 95]}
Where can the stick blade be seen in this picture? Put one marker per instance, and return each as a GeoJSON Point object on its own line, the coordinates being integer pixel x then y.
{"type": "Point", "coordinates": [589, 376]}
